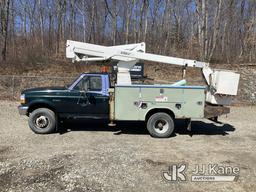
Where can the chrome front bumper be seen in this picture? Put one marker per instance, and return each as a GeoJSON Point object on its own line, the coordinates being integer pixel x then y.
{"type": "Point", "coordinates": [23, 110]}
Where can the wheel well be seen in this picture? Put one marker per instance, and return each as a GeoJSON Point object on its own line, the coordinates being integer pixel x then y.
{"type": "Point", "coordinates": [40, 105]}
{"type": "Point", "coordinates": [163, 110]}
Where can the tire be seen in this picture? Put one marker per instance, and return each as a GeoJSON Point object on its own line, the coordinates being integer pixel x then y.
{"type": "Point", "coordinates": [160, 125]}
{"type": "Point", "coordinates": [42, 121]}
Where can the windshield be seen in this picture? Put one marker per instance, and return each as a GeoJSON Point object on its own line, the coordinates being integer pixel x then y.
{"type": "Point", "coordinates": [73, 82]}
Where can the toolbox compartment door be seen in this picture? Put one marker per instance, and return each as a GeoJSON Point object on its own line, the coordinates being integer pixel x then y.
{"type": "Point", "coordinates": [126, 107]}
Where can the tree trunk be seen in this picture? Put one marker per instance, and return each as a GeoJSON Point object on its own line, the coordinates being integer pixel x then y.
{"type": "Point", "coordinates": [61, 6]}
{"type": "Point", "coordinates": [128, 19]}
{"type": "Point", "coordinates": [41, 17]}
{"type": "Point", "coordinates": [146, 4]}
{"type": "Point", "coordinates": [114, 22]}
{"type": "Point", "coordinates": [216, 28]}
{"type": "Point", "coordinates": [5, 7]}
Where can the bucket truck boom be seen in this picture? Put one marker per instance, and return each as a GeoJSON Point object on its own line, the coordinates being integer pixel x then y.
{"type": "Point", "coordinates": [222, 84]}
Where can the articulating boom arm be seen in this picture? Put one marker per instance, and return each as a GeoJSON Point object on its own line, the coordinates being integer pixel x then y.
{"type": "Point", "coordinates": [222, 85]}
{"type": "Point", "coordinates": [126, 55]}
{"type": "Point", "coordinates": [90, 52]}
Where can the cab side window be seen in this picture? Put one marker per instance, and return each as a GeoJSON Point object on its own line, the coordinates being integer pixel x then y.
{"type": "Point", "coordinates": [82, 84]}
{"type": "Point", "coordinates": [89, 83]}
{"type": "Point", "coordinates": [95, 83]}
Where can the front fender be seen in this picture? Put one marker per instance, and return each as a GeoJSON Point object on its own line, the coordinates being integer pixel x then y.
{"type": "Point", "coordinates": [40, 103]}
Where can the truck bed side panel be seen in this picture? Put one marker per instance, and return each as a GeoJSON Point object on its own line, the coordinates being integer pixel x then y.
{"type": "Point", "coordinates": [183, 101]}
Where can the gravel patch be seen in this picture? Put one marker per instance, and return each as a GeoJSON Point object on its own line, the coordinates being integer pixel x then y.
{"type": "Point", "coordinates": [91, 156]}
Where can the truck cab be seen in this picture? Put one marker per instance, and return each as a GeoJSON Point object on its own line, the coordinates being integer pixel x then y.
{"type": "Point", "coordinates": [86, 98]}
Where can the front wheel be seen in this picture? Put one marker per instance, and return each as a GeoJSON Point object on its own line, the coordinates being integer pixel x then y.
{"type": "Point", "coordinates": [42, 121]}
{"type": "Point", "coordinates": [160, 125]}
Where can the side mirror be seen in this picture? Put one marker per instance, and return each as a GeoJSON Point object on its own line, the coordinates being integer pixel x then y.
{"type": "Point", "coordinates": [82, 93]}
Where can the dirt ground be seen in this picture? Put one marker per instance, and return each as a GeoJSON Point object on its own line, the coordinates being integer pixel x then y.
{"type": "Point", "coordinates": [94, 157]}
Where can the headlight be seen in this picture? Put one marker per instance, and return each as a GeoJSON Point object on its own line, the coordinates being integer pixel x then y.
{"type": "Point", "coordinates": [22, 99]}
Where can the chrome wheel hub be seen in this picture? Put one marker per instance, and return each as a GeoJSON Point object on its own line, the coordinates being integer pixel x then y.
{"type": "Point", "coordinates": [161, 126]}
{"type": "Point", "coordinates": [42, 122]}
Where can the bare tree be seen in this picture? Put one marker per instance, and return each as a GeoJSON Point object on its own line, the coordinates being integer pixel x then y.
{"type": "Point", "coordinates": [129, 8]}
{"type": "Point", "coordinates": [4, 8]}
{"type": "Point", "coordinates": [41, 18]}
{"type": "Point", "coordinates": [61, 6]}
{"type": "Point", "coordinates": [216, 29]}
{"type": "Point", "coordinates": [223, 31]}
{"type": "Point", "coordinates": [202, 19]}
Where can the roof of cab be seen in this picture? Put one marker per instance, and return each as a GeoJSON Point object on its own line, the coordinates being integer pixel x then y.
{"type": "Point", "coordinates": [95, 73]}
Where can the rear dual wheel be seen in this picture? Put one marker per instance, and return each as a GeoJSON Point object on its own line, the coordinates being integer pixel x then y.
{"type": "Point", "coordinates": [160, 125]}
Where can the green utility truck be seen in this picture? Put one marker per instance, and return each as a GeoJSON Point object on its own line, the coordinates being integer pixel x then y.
{"type": "Point", "coordinates": [91, 97]}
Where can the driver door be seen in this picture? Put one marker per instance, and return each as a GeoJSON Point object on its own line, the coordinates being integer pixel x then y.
{"type": "Point", "coordinates": [91, 103]}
